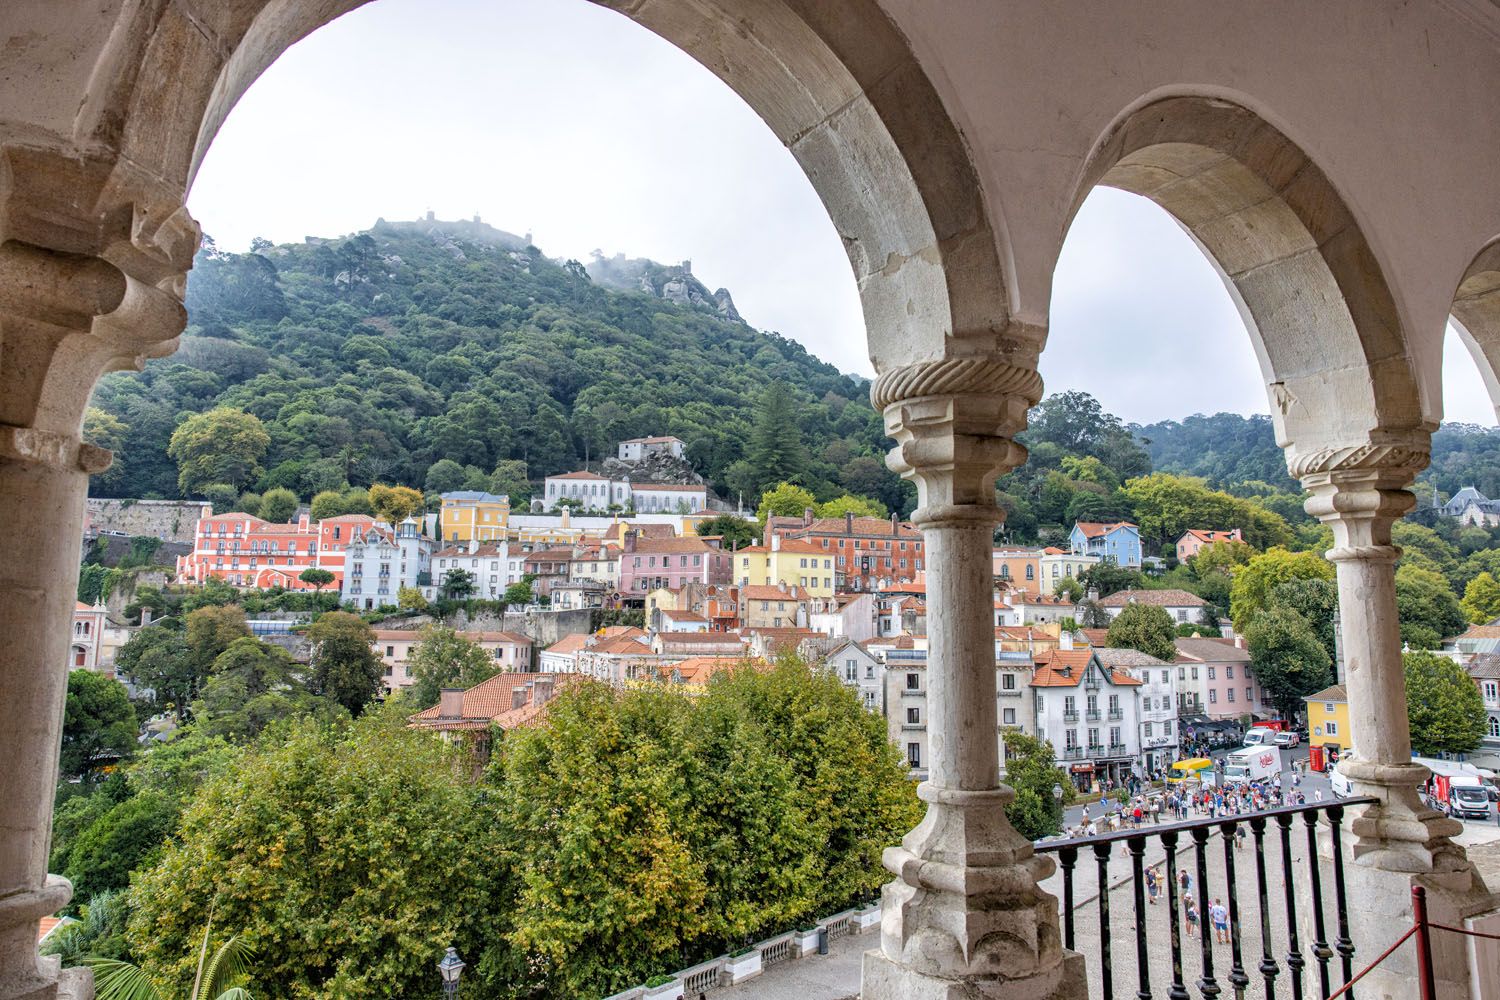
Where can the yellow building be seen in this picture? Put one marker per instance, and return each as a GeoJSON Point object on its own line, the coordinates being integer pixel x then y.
{"type": "Point", "coordinates": [1328, 719]}
{"type": "Point", "coordinates": [791, 564]}
{"type": "Point", "coordinates": [469, 515]}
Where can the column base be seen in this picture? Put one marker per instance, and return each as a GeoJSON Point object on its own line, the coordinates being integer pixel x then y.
{"type": "Point", "coordinates": [1400, 833]}
{"type": "Point", "coordinates": [24, 975]}
{"type": "Point", "coordinates": [1380, 911]}
{"type": "Point", "coordinates": [885, 979]}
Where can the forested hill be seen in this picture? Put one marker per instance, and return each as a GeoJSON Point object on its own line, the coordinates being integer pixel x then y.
{"type": "Point", "coordinates": [378, 356]}
{"type": "Point", "coordinates": [1228, 448]}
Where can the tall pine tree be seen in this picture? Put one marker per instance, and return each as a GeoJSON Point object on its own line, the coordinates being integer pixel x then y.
{"type": "Point", "coordinates": [776, 453]}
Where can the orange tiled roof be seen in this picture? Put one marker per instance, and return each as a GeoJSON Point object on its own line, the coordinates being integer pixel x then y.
{"type": "Point", "coordinates": [490, 699]}
{"type": "Point", "coordinates": [690, 545]}
{"type": "Point", "coordinates": [569, 644]}
{"type": "Point", "coordinates": [762, 592]}
{"type": "Point", "coordinates": [1096, 529]}
{"type": "Point", "coordinates": [577, 475]}
{"type": "Point", "coordinates": [657, 487]}
{"type": "Point", "coordinates": [1153, 598]}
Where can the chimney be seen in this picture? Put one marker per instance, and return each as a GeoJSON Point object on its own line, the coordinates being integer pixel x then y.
{"type": "Point", "coordinates": [518, 695]}
{"type": "Point", "coordinates": [473, 546]}
{"type": "Point", "coordinates": [895, 524]}
{"type": "Point", "coordinates": [1065, 640]}
{"type": "Point", "coordinates": [849, 522]}
{"type": "Point", "coordinates": [1092, 595]}
{"type": "Point", "coordinates": [543, 692]}
{"type": "Point", "coordinates": [145, 617]}
{"type": "Point", "coordinates": [807, 517]}
{"type": "Point", "coordinates": [630, 534]}
{"type": "Point", "coordinates": [431, 215]}
{"type": "Point", "coordinates": [451, 703]}
{"type": "Point", "coordinates": [1239, 642]}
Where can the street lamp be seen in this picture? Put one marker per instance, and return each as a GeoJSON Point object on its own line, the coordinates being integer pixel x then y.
{"type": "Point", "coordinates": [450, 968]}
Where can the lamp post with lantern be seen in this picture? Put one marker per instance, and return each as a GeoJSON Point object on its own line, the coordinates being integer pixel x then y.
{"type": "Point", "coordinates": [450, 968]}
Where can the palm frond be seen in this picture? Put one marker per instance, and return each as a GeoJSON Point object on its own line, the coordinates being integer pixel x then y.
{"type": "Point", "coordinates": [230, 964]}
{"type": "Point", "coordinates": [116, 980]}
{"type": "Point", "coordinates": [234, 993]}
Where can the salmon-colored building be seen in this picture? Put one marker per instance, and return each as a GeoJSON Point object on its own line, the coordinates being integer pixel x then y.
{"type": "Point", "coordinates": [245, 551]}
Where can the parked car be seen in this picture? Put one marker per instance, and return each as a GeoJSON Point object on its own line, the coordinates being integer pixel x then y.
{"type": "Point", "coordinates": [1287, 738]}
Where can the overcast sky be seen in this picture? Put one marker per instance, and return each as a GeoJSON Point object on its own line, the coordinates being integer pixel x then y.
{"type": "Point", "coordinates": [566, 120]}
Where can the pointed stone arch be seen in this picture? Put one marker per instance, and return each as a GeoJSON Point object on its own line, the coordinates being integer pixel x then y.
{"type": "Point", "coordinates": [1323, 321]}
{"type": "Point", "coordinates": [1476, 316]}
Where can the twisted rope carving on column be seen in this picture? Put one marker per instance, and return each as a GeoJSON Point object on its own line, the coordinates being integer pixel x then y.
{"type": "Point", "coordinates": [1396, 458]}
{"type": "Point", "coordinates": [956, 376]}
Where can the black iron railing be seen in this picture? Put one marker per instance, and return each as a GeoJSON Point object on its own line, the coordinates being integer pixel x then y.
{"type": "Point", "coordinates": [1193, 838]}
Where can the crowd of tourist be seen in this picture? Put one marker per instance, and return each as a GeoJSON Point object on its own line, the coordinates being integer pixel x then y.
{"type": "Point", "coordinates": [1181, 802]}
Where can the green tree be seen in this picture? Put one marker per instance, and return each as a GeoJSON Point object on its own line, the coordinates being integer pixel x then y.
{"type": "Point", "coordinates": [458, 584]}
{"type": "Point", "coordinates": [215, 978]}
{"type": "Point", "coordinates": [278, 505]}
{"type": "Point", "coordinates": [520, 593]}
{"type": "Point", "coordinates": [99, 931]}
{"type": "Point", "coordinates": [410, 599]}
{"type": "Point", "coordinates": [1069, 588]}
{"type": "Point", "coordinates": [775, 451]}
{"type": "Point", "coordinates": [509, 480]}
{"type": "Point", "coordinates": [394, 504]}
{"type": "Point", "coordinates": [736, 531]}
{"type": "Point", "coordinates": [1106, 578]}
{"type": "Point", "coordinates": [858, 506]}
{"type": "Point", "coordinates": [126, 838]}
{"type": "Point", "coordinates": [446, 658]}
{"type": "Point", "coordinates": [253, 684]}
{"type": "Point", "coordinates": [1428, 609]}
{"type": "Point", "coordinates": [786, 500]}
{"type": "Point", "coordinates": [1287, 658]}
{"type": "Point", "coordinates": [156, 659]}
{"type": "Point", "coordinates": [99, 725]}
{"type": "Point", "coordinates": [1166, 506]}
{"type": "Point", "coordinates": [1481, 601]}
{"type": "Point", "coordinates": [1146, 628]}
{"type": "Point", "coordinates": [1446, 712]}
{"type": "Point", "coordinates": [1255, 581]}
{"type": "Point", "coordinates": [1091, 614]}
{"type": "Point", "coordinates": [345, 669]}
{"type": "Point", "coordinates": [329, 503]}
{"type": "Point", "coordinates": [210, 631]}
{"type": "Point", "coordinates": [352, 856]}
{"type": "Point", "coordinates": [318, 578]}
{"type": "Point", "coordinates": [224, 445]}
{"type": "Point", "coordinates": [1031, 770]}
{"type": "Point", "coordinates": [445, 476]}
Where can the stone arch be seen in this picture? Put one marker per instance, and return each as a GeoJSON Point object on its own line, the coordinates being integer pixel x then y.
{"type": "Point", "coordinates": [1476, 316]}
{"type": "Point", "coordinates": [835, 81]}
{"type": "Point", "coordinates": [1323, 321]}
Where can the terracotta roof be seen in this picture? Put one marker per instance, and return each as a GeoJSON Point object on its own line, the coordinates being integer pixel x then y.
{"type": "Point", "coordinates": [1019, 632]}
{"type": "Point", "coordinates": [1153, 598]}
{"type": "Point", "coordinates": [658, 487]}
{"type": "Point", "coordinates": [1482, 632]}
{"type": "Point", "coordinates": [489, 699]}
{"type": "Point", "coordinates": [682, 616]}
{"type": "Point", "coordinates": [577, 475]}
{"type": "Point", "coordinates": [488, 550]}
{"type": "Point", "coordinates": [1097, 529]}
{"type": "Point", "coordinates": [366, 518]}
{"type": "Point", "coordinates": [569, 644]}
{"type": "Point", "coordinates": [1001, 605]}
{"type": "Point", "coordinates": [761, 592]}
{"type": "Point", "coordinates": [1127, 658]}
{"type": "Point", "coordinates": [1096, 636]}
{"type": "Point", "coordinates": [700, 638]}
{"type": "Point", "coordinates": [1485, 666]}
{"type": "Point", "coordinates": [1210, 536]}
{"type": "Point", "coordinates": [1215, 650]}
{"type": "Point", "coordinates": [1026, 597]}
{"type": "Point", "coordinates": [80, 606]}
{"type": "Point", "coordinates": [865, 526]}
{"type": "Point", "coordinates": [698, 669]}
{"type": "Point", "coordinates": [651, 440]}
{"type": "Point", "coordinates": [789, 545]}
{"type": "Point", "coordinates": [1335, 693]}
{"type": "Point", "coordinates": [622, 631]}
{"type": "Point", "coordinates": [690, 545]}
{"type": "Point", "coordinates": [620, 645]}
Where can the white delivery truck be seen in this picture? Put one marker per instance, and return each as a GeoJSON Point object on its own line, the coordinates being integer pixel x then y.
{"type": "Point", "coordinates": [1251, 764]}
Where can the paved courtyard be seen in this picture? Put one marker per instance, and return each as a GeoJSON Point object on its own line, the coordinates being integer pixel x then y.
{"type": "Point", "coordinates": [836, 975]}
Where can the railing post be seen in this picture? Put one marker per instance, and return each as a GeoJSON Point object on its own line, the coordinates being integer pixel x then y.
{"type": "Point", "coordinates": [1178, 989]}
{"type": "Point", "coordinates": [1423, 942]}
{"type": "Point", "coordinates": [1294, 959]}
{"type": "Point", "coordinates": [1138, 877]}
{"type": "Point", "coordinates": [1237, 977]}
{"type": "Point", "coordinates": [1207, 985]}
{"type": "Point", "coordinates": [1320, 948]}
{"type": "Point", "coordinates": [1269, 970]}
{"type": "Point", "coordinates": [1106, 953]}
{"type": "Point", "coordinates": [1342, 944]}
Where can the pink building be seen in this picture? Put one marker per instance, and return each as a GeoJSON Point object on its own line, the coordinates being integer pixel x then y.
{"type": "Point", "coordinates": [88, 629]}
{"type": "Point", "coordinates": [1214, 679]}
{"type": "Point", "coordinates": [245, 551]}
{"type": "Point", "coordinates": [649, 563]}
{"type": "Point", "coordinates": [1193, 540]}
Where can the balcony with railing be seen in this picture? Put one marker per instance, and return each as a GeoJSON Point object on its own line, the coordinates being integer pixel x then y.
{"type": "Point", "coordinates": [1092, 714]}
{"type": "Point", "coordinates": [1265, 868]}
{"type": "Point", "coordinates": [1072, 753]}
{"type": "Point", "coordinates": [1118, 749]}
{"type": "Point", "coordinates": [1070, 715]}
{"type": "Point", "coordinates": [1010, 692]}
{"type": "Point", "coordinates": [1115, 715]}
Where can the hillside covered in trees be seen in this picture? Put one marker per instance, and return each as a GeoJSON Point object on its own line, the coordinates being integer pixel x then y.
{"type": "Point", "coordinates": [379, 356]}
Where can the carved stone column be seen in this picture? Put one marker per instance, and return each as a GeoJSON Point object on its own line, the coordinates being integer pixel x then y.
{"type": "Point", "coordinates": [89, 282]}
{"type": "Point", "coordinates": [964, 917]}
{"type": "Point", "coordinates": [1360, 492]}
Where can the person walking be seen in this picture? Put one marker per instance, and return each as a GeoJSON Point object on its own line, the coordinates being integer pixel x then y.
{"type": "Point", "coordinates": [1190, 914]}
{"type": "Point", "coordinates": [1153, 886]}
{"type": "Point", "coordinates": [1219, 914]}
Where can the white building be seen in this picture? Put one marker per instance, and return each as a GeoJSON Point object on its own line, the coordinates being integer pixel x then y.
{"type": "Point", "coordinates": [1157, 715]}
{"type": "Point", "coordinates": [659, 498]}
{"type": "Point", "coordinates": [906, 704]}
{"type": "Point", "coordinates": [1090, 713]}
{"type": "Point", "coordinates": [1184, 607]}
{"type": "Point", "coordinates": [88, 631]}
{"type": "Point", "coordinates": [843, 616]}
{"type": "Point", "coordinates": [379, 562]}
{"type": "Point", "coordinates": [492, 567]}
{"type": "Point", "coordinates": [861, 670]}
{"type": "Point", "coordinates": [635, 449]}
{"type": "Point", "coordinates": [593, 491]}
{"type": "Point", "coordinates": [1057, 565]}
{"type": "Point", "coordinates": [511, 650]}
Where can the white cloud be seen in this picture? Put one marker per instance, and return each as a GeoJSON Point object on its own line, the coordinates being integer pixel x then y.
{"type": "Point", "coordinates": [569, 121]}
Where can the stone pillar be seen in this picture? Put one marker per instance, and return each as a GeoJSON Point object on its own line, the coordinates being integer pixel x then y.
{"type": "Point", "coordinates": [964, 917]}
{"type": "Point", "coordinates": [89, 282]}
{"type": "Point", "coordinates": [1396, 842]}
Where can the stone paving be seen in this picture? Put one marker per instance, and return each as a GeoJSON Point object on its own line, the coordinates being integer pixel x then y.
{"type": "Point", "coordinates": [836, 975]}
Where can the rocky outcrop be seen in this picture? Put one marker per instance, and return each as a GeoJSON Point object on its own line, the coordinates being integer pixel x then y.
{"type": "Point", "coordinates": [672, 282]}
{"type": "Point", "coordinates": [658, 468]}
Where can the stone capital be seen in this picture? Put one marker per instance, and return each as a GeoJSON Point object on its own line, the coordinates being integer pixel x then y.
{"type": "Point", "coordinates": [93, 267]}
{"type": "Point", "coordinates": [954, 422]}
{"type": "Point", "coordinates": [1361, 491]}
